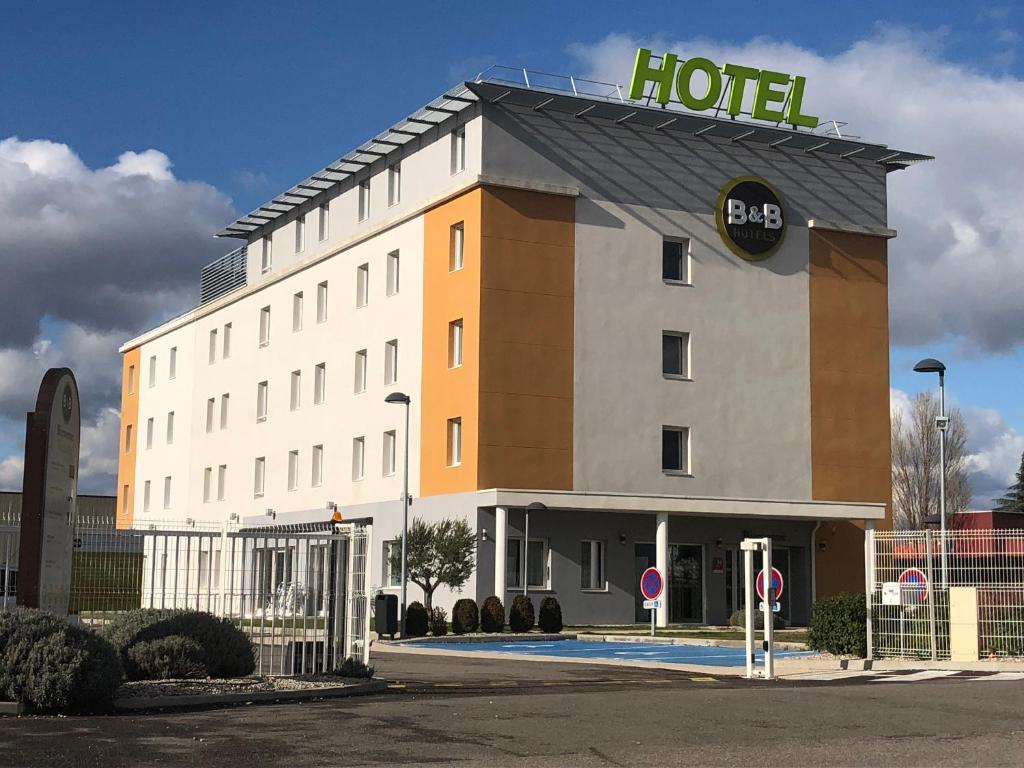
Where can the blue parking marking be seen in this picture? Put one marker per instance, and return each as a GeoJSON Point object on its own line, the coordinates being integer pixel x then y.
{"type": "Point", "coordinates": [712, 656]}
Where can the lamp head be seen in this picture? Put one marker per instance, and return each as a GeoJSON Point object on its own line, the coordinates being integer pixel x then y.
{"type": "Point", "coordinates": [397, 397]}
{"type": "Point", "coordinates": [536, 506]}
{"type": "Point", "coordinates": [930, 365]}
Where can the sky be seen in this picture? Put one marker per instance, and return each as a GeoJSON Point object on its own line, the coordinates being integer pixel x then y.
{"type": "Point", "coordinates": [131, 132]}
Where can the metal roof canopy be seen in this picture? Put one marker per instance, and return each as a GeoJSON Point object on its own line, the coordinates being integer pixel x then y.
{"type": "Point", "coordinates": [607, 103]}
{"type": "Point", "coordinates": [381, 146]}
{"type": "Point", "coordinates": [633, 113]}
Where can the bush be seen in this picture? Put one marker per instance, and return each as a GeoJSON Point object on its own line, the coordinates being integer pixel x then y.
{"type": "Point", "coordinates": [438, 622]}
{"type": "Point", "coordinates": [465, 617]}
{"type": "Point", "coordinates": [521, 617]}
{"type": "Point", "coordinates": [351, 667]}
{"type": "Point", "coordinates": [492, 615]}
{"type": "Point", "coordinates": [550, 618]}
{"type": "Point", "coordinates": [227, 652]}
{"type": "Point", "coordinates": [839, 625]}
{"type": "Point", "coordinates": [739, 619]}
{"type": "Point", "coordinates": [166, 658]}
{"type": "Point", "coordinates": [50, 665]}
{"type": "Point", "coordinates": [416, 620]}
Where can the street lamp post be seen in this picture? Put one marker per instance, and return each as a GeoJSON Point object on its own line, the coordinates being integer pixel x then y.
{"type": "Point", "coordinates": [533, 506]}
{"type": "Point", "coordinates": [403, 399]}
{"type": "Point", "coordinates": [931, 365]}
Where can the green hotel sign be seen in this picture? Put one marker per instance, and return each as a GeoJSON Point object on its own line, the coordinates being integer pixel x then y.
{"type": "Point", "coordinates": [778, 97]}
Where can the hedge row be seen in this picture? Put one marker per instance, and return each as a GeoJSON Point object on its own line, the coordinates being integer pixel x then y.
{"type": "Point", "coordinates": [489, 617]}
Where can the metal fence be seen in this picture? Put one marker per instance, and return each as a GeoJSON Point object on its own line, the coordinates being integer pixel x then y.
{"type": "Point", "coordinates": [299, 592]}
{"type": "Point", "coordinates": [910, 577]}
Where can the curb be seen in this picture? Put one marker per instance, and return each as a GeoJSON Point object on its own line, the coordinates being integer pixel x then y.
{"type": "Point", "coordinates": [482, 638]}
{"type": "Point", "coordinates": [139, 703]}
{"type": "Point", "coordinates": [709, 643]}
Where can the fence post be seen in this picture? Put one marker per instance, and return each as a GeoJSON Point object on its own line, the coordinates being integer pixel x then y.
{"type": "Point", "coordinates": [869, 582]}
{"type": "Point", "coordinates": [221, 602]}
{"type": "Point", "coordinates": [366, 592]}
{"type": "Point", "coordinates": [931, 592]}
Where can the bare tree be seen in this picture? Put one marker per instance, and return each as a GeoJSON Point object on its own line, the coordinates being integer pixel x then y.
{"type": "Point", "coordinates": [915, 464]}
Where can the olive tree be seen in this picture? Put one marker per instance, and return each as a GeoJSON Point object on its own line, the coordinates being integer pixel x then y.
{"type": "Point", "coordinates": [439, 553]}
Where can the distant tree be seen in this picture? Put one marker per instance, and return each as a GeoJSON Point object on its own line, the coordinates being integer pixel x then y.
{"type": "Point", "coordinates": [1013, 501]}
{"type": "Point", "coordinates": [439, 553]}
{"type": "Point", "coordinates": [915, 463]}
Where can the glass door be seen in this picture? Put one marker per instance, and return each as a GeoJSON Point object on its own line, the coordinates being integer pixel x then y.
{"type": "Point", "coordinates": [686, 583]}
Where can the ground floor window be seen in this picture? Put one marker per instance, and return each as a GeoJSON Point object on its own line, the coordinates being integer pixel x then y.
{"type": "Point", "coordinates": [536, 564]}
{"type": "Point", "coordinates": [592, 565]}
{"type": "Point", "coordinates": [392, 564]}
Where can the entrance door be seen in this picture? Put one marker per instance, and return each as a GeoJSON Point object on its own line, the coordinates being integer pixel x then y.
{"type": "Point", "coordinates": [685, 582]}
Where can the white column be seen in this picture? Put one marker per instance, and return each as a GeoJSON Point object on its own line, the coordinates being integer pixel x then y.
{"type": "Point", "coordinates": [500, 550]}
{"type": "Point", "coordinates": [661, 563]}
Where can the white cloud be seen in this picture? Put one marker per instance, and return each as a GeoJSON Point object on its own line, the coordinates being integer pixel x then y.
{"type": "Point", "coordinates": [98, 453]}
{"type": "Point", "coordinates": [151, 163]}
{"type": "Point", "coordinates": [11, 473]}
{"type": "Point", "coordinates": [957, 266]}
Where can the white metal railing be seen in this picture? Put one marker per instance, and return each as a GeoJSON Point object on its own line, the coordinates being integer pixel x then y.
{"type": "Point", "coordinates": [529, 78]}
{"type": "Point", "coordinates": [914, 620]}
{"type": "Point", "coordinates": [223, 275]}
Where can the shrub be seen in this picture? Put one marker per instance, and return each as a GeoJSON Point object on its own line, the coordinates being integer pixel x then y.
{"type": "Point", "coordinates": [50, 665]}
{"type": "Point", "coordinates": [227, 652]}
{"type": "Point", "coordinates": [492, 615]}
{"type": "Point", "coordinates": [166, 658]}
{"type": "Point", "coordinates": [465, 617]}
{"type": "Point", "coordinates": [739, 619]}
{"type": "Point", "coordinates": [550, 617]}
{"type": "Point", "coordinates": [352, 667]}
{"type": "Point", "coordinates": [521, 616]}
{"type": "Point", "coordinates": [438, 622]}
{"type": "Point", "coordinates": [839, 625]}
{"type": "Point", "coordinates": [416, 620]}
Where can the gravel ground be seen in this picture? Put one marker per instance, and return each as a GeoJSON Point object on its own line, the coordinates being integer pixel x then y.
{"type": "Point", "coordinates": [213, 686]}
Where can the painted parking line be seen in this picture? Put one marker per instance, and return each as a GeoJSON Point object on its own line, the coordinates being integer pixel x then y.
{"type": "Point", "coordinates": [928, 674]}
{"type": "Point", "coordinates": [999, 676]}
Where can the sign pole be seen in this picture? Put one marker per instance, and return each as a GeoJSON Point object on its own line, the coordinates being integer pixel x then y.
{"type": "Point", "coordinates": [651, 586]}
{"type": "Point", "coordinates": [748, 592]}
{"type": "Point", "coordinates": [930, 592]}
{"type": "Point", "coordinates": [769, 617]}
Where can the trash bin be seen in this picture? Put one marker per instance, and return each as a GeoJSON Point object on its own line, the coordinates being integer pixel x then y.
{"type": "Point", "coordinates": [385, 609]}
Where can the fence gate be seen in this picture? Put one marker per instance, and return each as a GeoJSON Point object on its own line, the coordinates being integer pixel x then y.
{"type": "Point", "coordinates": [298, 592]}
{"type": "Point", "coordinates": [916, 613]}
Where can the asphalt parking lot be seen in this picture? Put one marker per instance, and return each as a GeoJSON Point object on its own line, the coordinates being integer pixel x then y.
{"type": "Point", "coordinates": [484, 712]}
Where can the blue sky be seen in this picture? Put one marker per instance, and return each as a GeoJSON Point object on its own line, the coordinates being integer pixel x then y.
{"type": "Point", "coordinates": [246, 98]}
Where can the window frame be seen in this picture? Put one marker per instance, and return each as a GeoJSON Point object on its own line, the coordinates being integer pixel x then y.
{"type": "Point", "coordinates": [685, 261]}
{"type": "Point", "coordinates": [362, 362]}
{"type": "Point", "coordinates": [458, 149]}
{"type": "Point", "coordinates": [262, 398]}
{"type": "Point", "coordinates": [324, 220]}
{"type": "Point", "coordinates": [456, 336]}
{"type": "Point", "coordinates": [300, 233]}
{"type": "Point", "coordinates": [319, 383]}
{"type": "Point", "coordinates": [225, 399]}
{"type": "Point", "coordinates": [212, 358]}
{"type": "Point", "coordinates": [295, 391]}
{"type": "Point", "coordinates": [358, 449]}
{"type": "Point", "coordinates": [264, 326]}
{"type": "Point", "coordinates": [362, 285]}
{"type": "Point", "coordinates": [298, 305]}
{"type": "Point", "coordinates": [602, 549]}
{"type": "Point", "coordinates": [317, 466]}
{"type": "Point", "coordinates": [172, 363]}
{"type": "Point", "coordinates": [259, 481]}
{"type": "Point", "coordinates": [267, 254]}
{"type": "Point", "coordinates": [545, 559]}
{"type": "Point", "coordinates": [389, 451]}
{"type": "Point", "coordinates": [390, 362]}
{"type": "Point", "coordinates": [222, 481]}
{"type": "Point", "coordinates": [457, 247]}
{"type": "Point", "coordinates": [321, 301]}
{"type": "Point", "coordinates": [394, 184]}
{"type": "Point", "coordinates": [393, 273]}
{"type": "Point", "coordinates": [453, 435]}
{"type": "Point", "coordinates": [684, 356]}
{"type": "Point", "coordinates": [364, 200]}
{"type": "Point", "coordinates": [686, 454]}
{"type": "Point", "coordinates": [293, 470]}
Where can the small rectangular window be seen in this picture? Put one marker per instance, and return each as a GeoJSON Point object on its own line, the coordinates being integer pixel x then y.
{"type": "Point", "coordinates": [296, 391]}
{"type": "Point", "coordinates": [210, 405]}
{"type": "Point", "coordinates": [592, 565]}
{"type": "Point", "coordinates": [293, 470]}
{"type": "Point", "coordinates": [675, 354]}
{"type": "Point", "coordinates": [167, 492]}
{"type": "Point", "coordinates": [456, 256]}
{"type": "Point", "coordinates": [395, 184]}
{"type": "Point", "coordinates": [389, 453]}
{"type": "Point", "coordinates": [325, 221]}
{"type": "Point", "coordinates": [319, 383]}
{"type": "Point", "coordinates": [212, 358]}
{"type": "Point", "coordinates": [393, 264]}
{"type": "Point", "coordinates": [459, 149]}
{"type": "Point", "coordinates": [358, 448]}
{"type": "Point", "coordinates": [224, 400]}
{"type": "Point", "coordinates": [267, 260]}
{"type": "Point", "coordinates": [321, 302]}
{"type": "Point", "coordinates": [145, 496]}
{"type": "Point", "coordinates": [261, 401]}
{"type": "Point", "coordinates": [125, 500]}
{"type": "Point", "coordinates": [207, 482]}
{"type": "Point", "coordinates": [172, 363]}
{"type": "Point", "coordinates": [149, 432]}
{"type": "Point", "coordinates": [227, 341]}
{"type": "Point", "coordinates": [364, 200]}
{"type": "Point", "coordinates": [170, 427]}
{"type": "Point", "coordinates": [300, 234]}
{"type": "Point", "coordinates": [297, 312]}
{"type": "Point", "coordinates": [455, 343]}
{"type": "Point", "coordinates": [675, 260]}
{"type": "Point", "coordinates": [128, 439]}
{"type": "Point", "coordinates": [360, 370]}
{"type": "Point", "coordinates": [318, 465]}
{"type": "Point", "coordinates": [259, 476]}
{"type": "Point", "coordinates": [222, 481]}
{"type": "Point", "coordinates": [152, 370]}
{"type": "Point", "coordinates": [391, 362]}
{"type": "Point", "coordinates": [131, 379]}
{"type": "Point", "coordinates": [264, 326]}
{"type": "Point", "coordinates": [393, 563]}
{"type": "Point", "coordinates": [675, 449]}
{"type": "Point", "coordinates": [454, 442]}
{"type": "Point", "coordinates": [536, 564]}
{"type": "Point", "coordinates": [362, 285]}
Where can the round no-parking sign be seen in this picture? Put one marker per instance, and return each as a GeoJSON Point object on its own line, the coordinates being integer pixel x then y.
{"type": "Point", "coordinates": [651, 584]}
{"type": "Point", "coordinates": [914, 585]}
{"type": "Point", "coordinates": [777, 583]}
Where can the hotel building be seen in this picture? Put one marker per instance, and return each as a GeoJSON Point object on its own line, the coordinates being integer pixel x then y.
{"type": "Point", "coordinates": [542, 273]}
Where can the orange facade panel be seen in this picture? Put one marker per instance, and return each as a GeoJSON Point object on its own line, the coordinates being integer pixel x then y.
{"type": "Point", "coordinates": [130, 379]}
{"type": "Point", "coordinates": [849, 355]}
